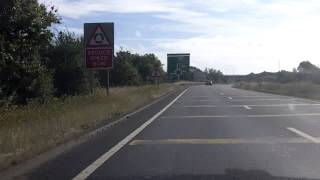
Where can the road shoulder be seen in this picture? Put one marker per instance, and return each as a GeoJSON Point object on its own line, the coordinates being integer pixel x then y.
{"type": "Point", "coordinates": [69, 152]}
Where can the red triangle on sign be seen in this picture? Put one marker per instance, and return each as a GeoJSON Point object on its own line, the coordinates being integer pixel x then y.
{"type": "Point", "coordinates": [99, 38]}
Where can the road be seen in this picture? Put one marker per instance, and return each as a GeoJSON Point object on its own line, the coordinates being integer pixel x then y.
{"type": "Point", "coordinates": [207, 132]}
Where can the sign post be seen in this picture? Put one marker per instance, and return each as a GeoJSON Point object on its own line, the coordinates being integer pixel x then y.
{"type": "Point", "coordinates": [108, 71]}
{"type": "Point", "coordinates": [156, 75]}
{"type": "Point", "coordinates": [99, 47]}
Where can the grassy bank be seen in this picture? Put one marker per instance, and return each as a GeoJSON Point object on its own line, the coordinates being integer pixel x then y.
{"type": "Point", "coordinates": [299, 89]}
{"type": "Point", "coordinates": [29, 130]}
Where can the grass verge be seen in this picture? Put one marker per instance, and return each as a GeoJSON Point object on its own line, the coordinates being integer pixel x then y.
{"type": "Point", "coordinates": [299, 89]}
{"type": "Point", "coordinates": [29, 130]}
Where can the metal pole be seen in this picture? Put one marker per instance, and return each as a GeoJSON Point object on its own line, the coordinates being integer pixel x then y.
{"type": "Point", "coordinates": [2, 49]}
{"type": "Point", "coordinates": [157, 81]}
{"type": "Point", "coordinates": [108, 82]}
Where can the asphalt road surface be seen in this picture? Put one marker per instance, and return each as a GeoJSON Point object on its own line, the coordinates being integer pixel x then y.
{"type": "Point", "coordinates": [204, 132]}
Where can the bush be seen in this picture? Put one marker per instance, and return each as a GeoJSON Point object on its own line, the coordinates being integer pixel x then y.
{"type": "Point", "coordinates": [66, 60]}
{"type": "Point", "coordinates": [24, 35]}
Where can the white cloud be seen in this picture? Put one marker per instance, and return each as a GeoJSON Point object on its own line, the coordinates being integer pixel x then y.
{"type": "Point", "coordinates": [235, 36]}
{"type": "Point", "coordinates": [80, 8]}
{"type": "Point", "coordinates": [78, 31]}
{"type": "Point", "coordinates": [261, 50]}
{"type": "Point", "coordinates": [138, 34]}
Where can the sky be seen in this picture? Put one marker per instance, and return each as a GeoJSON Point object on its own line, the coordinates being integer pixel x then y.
{"type": "Point", "coordinates": [234, 36]}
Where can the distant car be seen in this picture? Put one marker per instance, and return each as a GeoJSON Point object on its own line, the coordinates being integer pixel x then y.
{"type": "Point", "coordinates": [210, 83]}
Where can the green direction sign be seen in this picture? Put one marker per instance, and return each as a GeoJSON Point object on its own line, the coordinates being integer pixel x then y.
{"type": "Point", "coordinates": [178, 66]}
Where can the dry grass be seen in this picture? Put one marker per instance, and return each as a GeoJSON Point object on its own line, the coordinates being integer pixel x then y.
{"type": "Point", "coordinates": [29, 130]}
{"type": "Point", "coordinates": [298, 89]}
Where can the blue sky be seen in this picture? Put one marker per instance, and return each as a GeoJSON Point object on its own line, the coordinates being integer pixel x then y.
{"type": "Point", "coordinates": [235, 36]}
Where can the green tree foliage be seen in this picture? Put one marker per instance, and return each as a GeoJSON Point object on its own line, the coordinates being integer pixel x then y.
{"type": "Point", "coordinates": [145, 64]}
{"type": "Point", "coordinates": [306, 72]}
{"type": "Point", "coordinates": [66, 60]}
{"type": "Point", "coordinates": [24, 34]}
{"type": "Point", "coordinates": [196, 74]}
{"type": "Point", "coordinates": [307, 67]}
{"type": "Point", "coordinates": [215, 75]}
{"type": "Point", "coordinates": [286, 77]}
{"type": "Point", "coordinates": [132, 69]}
{"type": "Point", "coordinates": [124, 73]}
{"type": "Point", "coordinates": [34, 65]}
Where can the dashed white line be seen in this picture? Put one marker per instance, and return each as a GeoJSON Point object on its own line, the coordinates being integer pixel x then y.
{"type": "Point", "coordinates": [201, 96]}
{"type": "Point", "coordinates": [203, 100]}
{"type": "Point", "coordinates": [257, 96]}
{"type": "Point", "coordinates": [246, 116]}
{"type": "Point", "coordinates": [230, 99]}
{"type": "Point", "coordinates": [239, 100]}
{"type": "Point", "coordinates": [200, 106]}
{"type": "Point", "coordinates": [247, 107]}
{"type": "Point", "coordinates": [253, 105]}
{"type": "Point", "coordinates": [298, 140]}
{"type": "Point", "coordinates": [97, 163]}
{"type": "Point", "coordinates": [304, 135]}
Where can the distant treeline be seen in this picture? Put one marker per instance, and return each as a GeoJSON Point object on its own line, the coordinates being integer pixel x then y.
{"type": "Point", "coordinates": [215, 75]}
{"type": "Point", "coordinates": [306, 72]}
{"type": "Point", "coordinates": [37, 64]}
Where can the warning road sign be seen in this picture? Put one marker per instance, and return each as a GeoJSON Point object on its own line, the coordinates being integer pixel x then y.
{"type": "Point", "coordinates": [98, 38]}
{"type": "Point", "coordinates": [99, 57]}
{"type": "Point", "coordinates": [99, 41]}
{"type": "Point", "coordinates": [156, 73]}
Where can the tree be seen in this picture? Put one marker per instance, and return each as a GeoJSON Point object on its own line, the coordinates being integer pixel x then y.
{"type": "Point", "coordinates": [132, 69]}
{"type": "Point", "coordinates": [124, 73]}
{"type": "Point", "coordinates": [24, 35]}
{"type": "Point", "coordinates": [307, 67]}
{"type": "Point", "coordinates": [66, 60]}
{"type": "Point", "coordinates": [215, 75]}
{"type": "Point", "coordinates": [145, 65]}
{"type": "Point", "coordinates": [196, 74]}
{"type": "Point", "coordinates": [286, 77]}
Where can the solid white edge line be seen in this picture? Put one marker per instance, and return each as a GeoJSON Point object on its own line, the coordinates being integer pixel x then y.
{"type": "Point", "coordinates": [304, 135]}
{"type": "Point", "coordinates": [247, 107]}
{"type": "Point", "coordinates": [102, 159]}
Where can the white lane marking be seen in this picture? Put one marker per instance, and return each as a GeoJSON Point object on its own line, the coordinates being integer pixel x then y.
{"type": "Point", "coordinates": [200, 106]}
{"type": "Point", "coordinates": [257, 96]}
{"type": "Point", "coordinates": [247, 116]}
{"type": "Point", "coordinates": [254, 105]}
{"type": "Point", "coordinates": [247, 107]}
{"type": "Point", "coordinates": [230, 99]}
{"type": "Point", "coordinates": [304, 135]}
{"type": "Point", "coordinates": [221, 141]}
{"type": "Point", "coordinates": [97, 163]}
